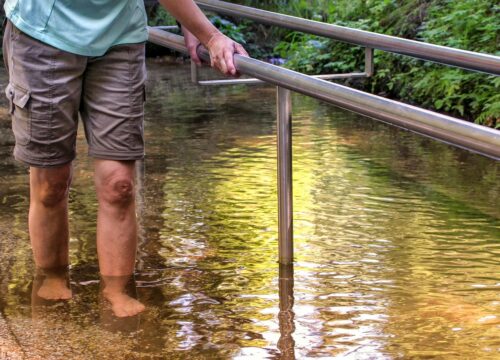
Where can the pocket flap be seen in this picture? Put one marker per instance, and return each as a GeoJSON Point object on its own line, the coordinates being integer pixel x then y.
{"type": "Point", "coordinates": [21, 96]}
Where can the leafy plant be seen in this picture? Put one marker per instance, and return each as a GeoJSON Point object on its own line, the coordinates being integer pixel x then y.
{"type": "Point", "coordinates": [229, 28]}
{"type": "Point", "coordinates": [467, 24]}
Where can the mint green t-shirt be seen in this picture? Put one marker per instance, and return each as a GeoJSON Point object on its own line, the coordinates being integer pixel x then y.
{"type": "Point", "coordinates": [84, 27]}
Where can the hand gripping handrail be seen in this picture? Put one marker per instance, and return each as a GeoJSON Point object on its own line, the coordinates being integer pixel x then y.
{"type": "Point", "coordinates": [473, 137]}
{"type": "Point", "coordinates": [441, 54]}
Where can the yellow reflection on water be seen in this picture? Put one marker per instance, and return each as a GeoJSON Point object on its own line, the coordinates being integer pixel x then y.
{"type": "Point", "coordinates": [396, 239]}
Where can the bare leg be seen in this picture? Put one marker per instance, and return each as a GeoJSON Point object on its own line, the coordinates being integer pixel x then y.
{"type": "Point", "coordinates": [48, 228]}
{"type": "Point", "coordinates": [117, 232]}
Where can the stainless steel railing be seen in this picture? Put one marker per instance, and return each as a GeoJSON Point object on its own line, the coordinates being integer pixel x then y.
{"type": "Point", "coordinates": [462, 134]}
{"type": "Point", "coordinates": [473, 137]}
{"type": "Point", "coordinates": [440, 54]}
{"type": "Point", "coordinates": [444, 128]}
{"type": "Point", "coordinates": [368, 72]}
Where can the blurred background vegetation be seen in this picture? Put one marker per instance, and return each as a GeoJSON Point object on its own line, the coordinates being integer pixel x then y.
{"type": "Point", "coordinates": [466, 24]}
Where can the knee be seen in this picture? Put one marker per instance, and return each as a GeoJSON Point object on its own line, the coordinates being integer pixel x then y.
{"type": "Point", "coordinates": [117, 191]}
{"type": "Point", "coordinates": [53, 193]}
{"type": "Point", "coordinates": [50, 187]}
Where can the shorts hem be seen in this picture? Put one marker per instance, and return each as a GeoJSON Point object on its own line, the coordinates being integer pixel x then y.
{"type": "Point", "coordinates": [116, 156]}
{"type": "Point", "coordinates": [41, 163]}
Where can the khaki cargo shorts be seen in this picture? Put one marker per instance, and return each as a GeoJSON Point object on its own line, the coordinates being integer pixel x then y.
{"type": "Point", "coordinates": [49, 88]}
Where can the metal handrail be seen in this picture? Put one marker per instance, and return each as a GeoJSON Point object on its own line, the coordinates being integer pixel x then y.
{"type": "Point", "coordinates": [440, 54]}
{"type": "Point", "coordinates": [457, 132]}
{"type": "Point", "coordinates": [368, 72]}
{"type": "Point", "coordinates": [473, 137]}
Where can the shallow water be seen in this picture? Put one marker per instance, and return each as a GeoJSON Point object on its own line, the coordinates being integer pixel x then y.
{"type": "Point", "coordinates": [397, 240]}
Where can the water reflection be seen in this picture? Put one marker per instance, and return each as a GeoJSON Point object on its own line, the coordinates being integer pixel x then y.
{"type": "Point", "coordinates": [45, 310]}
{"type": "Point", "coordinates": [50, 285]}
{"type": "Point", "coordinates": [118, 320]}
{"type": "Point", "coordinates": [396, 240]}
{"type": "Point", "coordinates": [286, 344]}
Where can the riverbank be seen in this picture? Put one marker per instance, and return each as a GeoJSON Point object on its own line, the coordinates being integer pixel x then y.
{"type": "Point", "coordinates": [469, 24]}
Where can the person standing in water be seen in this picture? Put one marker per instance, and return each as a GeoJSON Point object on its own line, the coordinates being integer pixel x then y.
{"type": "Point", "coordinates": [87, 58]}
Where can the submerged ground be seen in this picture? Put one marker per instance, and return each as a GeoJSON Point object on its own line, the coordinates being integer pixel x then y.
{"type": "Point", "coordinates": [397, 240]}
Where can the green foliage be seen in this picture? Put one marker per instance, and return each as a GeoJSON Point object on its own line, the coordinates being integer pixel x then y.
{"type": "Point", "coordinates": [158, 16]}
{"type": "Point", "coordinates": [470, 25]}
{"type": "Point", "coordinates": [229, 28]}
{"type": "Point", "coordinates": [333, 56]}
{"type": "Point", "coordinates": [467, 24]}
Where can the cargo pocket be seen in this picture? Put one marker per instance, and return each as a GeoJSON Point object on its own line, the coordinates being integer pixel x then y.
{"type": "Point", "coordinates": [136, 133]}
{"type": "Point", "coordinates": [135, 127]}
{"type": "Point", "coordinates": [19, 109]}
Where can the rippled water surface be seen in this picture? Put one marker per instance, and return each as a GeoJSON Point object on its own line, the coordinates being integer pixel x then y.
{"type": "Point", "coordinates": [397, 240]}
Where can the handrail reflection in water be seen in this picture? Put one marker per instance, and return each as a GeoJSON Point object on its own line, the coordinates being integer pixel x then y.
{"type": "Point", "coordinates": [286, 316]}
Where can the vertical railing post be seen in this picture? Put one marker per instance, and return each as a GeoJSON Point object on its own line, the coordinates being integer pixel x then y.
{"type": "Point", "coordinates": [369, 65]}
{"type": "Point", "coordinates": [194, 72]}
{"type": "Point", "coordinates": [285, 206]}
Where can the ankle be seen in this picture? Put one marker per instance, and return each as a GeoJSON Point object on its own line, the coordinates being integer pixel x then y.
{"type": "Point", "coordinates": [114, 293]}
{"type": "Point", "coordinates": [116, 286]}
{"type": "Point", "coordinates": [60, 271]}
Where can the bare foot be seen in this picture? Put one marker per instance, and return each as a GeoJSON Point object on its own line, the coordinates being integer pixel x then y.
{"type": "Point", "coordinates": [124, 305]}
{"type": "Point", "coordinates": [54, 288]}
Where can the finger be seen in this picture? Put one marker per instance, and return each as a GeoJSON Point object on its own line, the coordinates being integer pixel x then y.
{"type": "Point", "coordinates": [196, 58]}
{"type": "Point", "coordinates": [221, 65]}
{"type": "Point", "coordinates": [241, 50]}
{"type": "Point", "coordinates": [194, 55]}
{"type": "Point", "coordinates": [229, 59]}
{"type": "Point", "coordinates": [196, 51]}
{"type": "Point", "coordinates": [212, 60]}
